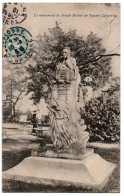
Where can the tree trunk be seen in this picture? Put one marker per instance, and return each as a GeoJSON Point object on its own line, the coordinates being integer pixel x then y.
{"type": "Point", "coordinates": [13, 108]}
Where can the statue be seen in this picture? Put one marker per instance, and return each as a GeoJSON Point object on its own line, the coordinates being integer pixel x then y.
{"type": "Point", "coordinates": [67, 71]}
{"type": "Point", "coordinates": [68, 135]}
{"type": "Point", "coordinates": [59, 118]}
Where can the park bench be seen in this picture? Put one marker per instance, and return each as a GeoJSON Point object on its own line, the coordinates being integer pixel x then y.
{"type": "Point", "coordinates": [40, 130]}
{"type": "Point", "coordinates": [24, 123]}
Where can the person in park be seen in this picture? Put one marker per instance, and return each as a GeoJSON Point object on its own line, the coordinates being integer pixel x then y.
{"type": "Point", "coordinates": [34, 123]}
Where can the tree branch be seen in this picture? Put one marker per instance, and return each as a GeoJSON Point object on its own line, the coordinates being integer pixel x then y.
{"type": "Point", "coordinates": [98, 57]}
{"type": "Point", "coordinates": [14, 103]}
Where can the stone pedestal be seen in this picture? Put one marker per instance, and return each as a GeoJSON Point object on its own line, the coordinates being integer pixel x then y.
{"type": "Point", "coordinates": [91, 172]}
{"type": "Point", "coordinates": [63, 155]}
{"type": "Point", "coordinates": [64, 117]}
{"type": "Point", "coordinates": [66, 92]}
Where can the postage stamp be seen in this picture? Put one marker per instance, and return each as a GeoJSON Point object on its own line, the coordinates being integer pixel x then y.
{"type": "Point", "coordinates": [13, 13]}
{"type": "Point", "coordinates": [16, 44]}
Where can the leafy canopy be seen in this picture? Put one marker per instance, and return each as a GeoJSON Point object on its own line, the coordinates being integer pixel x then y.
{"type": "Point", "coordinates": [47, 52]}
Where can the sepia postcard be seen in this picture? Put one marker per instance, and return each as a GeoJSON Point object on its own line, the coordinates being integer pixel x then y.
{"type": "Point", "coordinates": [61, 97]}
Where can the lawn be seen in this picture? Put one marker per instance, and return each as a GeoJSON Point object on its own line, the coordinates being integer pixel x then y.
{"type": "Point", "coordinates": [17, 147]}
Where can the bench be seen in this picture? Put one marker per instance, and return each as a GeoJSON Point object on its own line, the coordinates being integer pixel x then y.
{"type": "Point", "coordinates": [40, 130]}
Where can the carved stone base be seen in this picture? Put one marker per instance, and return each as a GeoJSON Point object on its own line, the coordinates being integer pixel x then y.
{"type": "Point", "coordinates": [52, 154]}
{"type": "Point", "coordinates": [91, 172]}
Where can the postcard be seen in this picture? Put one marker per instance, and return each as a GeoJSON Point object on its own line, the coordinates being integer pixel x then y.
{"type": "Point", "coordinates": [61, 97]}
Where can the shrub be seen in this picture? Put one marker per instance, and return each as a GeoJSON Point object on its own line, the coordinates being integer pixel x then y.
{"type": "Point", "coordinates": [102, 116]}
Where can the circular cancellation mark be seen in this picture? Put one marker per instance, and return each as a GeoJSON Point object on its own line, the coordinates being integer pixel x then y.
{"type": "Point", "coordinates": [17, 42]}
{"type": "Point", "coordinates": [13, 13]}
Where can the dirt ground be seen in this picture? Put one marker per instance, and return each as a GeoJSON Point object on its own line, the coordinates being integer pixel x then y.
{"type": "Point", "coordinates": [17, 145]}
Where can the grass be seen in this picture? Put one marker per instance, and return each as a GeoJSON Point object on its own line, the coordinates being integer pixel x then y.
{"type": "Point", "coordinates": [15, 156]}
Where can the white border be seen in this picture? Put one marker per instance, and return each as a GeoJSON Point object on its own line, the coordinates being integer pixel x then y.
{"type": "Point", "coordinates": [122, 82]}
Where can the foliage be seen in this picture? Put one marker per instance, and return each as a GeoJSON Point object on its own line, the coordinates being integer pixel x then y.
{"type": "Point", "coordinates": [14, 84]}
{"type": "Point", "coordinates": [102, 115]}
{"type": "Point", "coordinates": [47, 52]}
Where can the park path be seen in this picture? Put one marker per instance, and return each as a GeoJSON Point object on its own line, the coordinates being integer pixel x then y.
{"type": "Point", "coordinates": [17, 136]}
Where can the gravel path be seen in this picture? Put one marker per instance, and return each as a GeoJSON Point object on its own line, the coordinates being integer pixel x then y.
{"type": "Point", "coordinates": [21, 133]}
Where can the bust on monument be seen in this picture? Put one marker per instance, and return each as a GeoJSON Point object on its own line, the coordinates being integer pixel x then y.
{"type": "Point", "coordinates": [67, 71]}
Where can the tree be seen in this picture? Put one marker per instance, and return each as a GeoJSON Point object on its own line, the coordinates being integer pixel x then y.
{"type": "Point", "coordinates": [102, 113]}
{"type": "Point", "coordinates": [47, 52]}
{"type": "Point", "coordinates": [14, 84]}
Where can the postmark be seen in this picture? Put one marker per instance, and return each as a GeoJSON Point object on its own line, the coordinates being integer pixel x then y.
{"type": "Point", "coordinates": [13, 13]}
{"type": "Point", "coordinates": [17, 42]}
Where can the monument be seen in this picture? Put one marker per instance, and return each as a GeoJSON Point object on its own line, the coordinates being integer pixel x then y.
{"type": "Point", "coordinates": [67, 133]}
{"type": "Point", "coordinates": [68, 161]}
